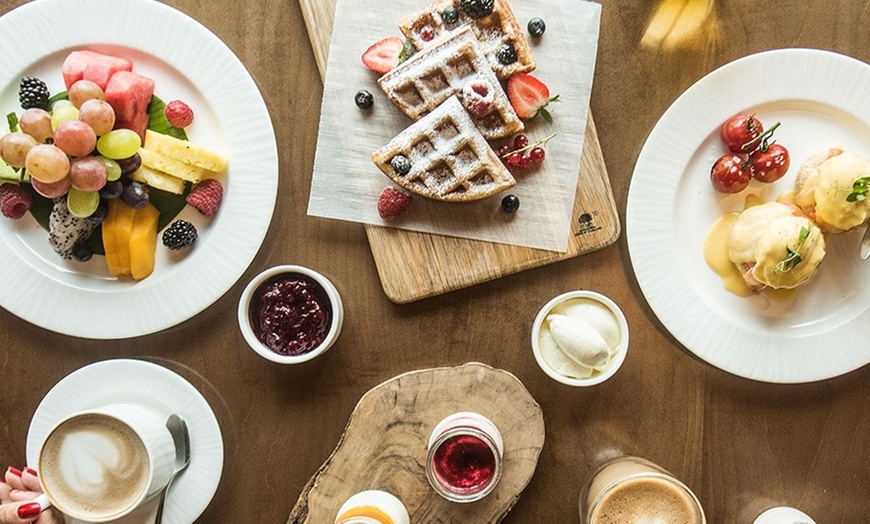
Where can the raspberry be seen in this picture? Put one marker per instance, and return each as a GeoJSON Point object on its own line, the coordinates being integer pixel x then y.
{"type": "Point", "coordinates": [179, 114]}
{"type": "Point", "coordinates": [393, 202]}
{"type": "Point", "coordinates": [206, 196]}
{"type": "Point", "coordinates": [15, 201]}
{"type": "Point", "coordinates": [477, 97]}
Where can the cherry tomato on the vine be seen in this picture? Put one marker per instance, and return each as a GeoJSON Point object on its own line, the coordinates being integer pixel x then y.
{"type": "Point", "coordinates": [728, 174]}
{"type": "Point", "coordinates": [739, 130]}
{"type": "Point", "coordinates": [769, 165]}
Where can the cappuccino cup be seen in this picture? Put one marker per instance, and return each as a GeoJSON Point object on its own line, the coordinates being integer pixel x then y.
{"type": "Point", "coordinates": [627, 489]}
{"type": "Point", "coordinates": [101, 464]}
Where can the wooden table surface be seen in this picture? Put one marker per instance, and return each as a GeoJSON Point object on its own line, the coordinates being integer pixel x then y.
{"type": "Point", "coordinates": [741, 446]}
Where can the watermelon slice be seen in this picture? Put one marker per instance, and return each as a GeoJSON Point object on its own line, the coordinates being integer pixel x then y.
{"type": "Point", "coordinates": [93, 66]}
{"type": "Point", "coordinates": [129, 95]}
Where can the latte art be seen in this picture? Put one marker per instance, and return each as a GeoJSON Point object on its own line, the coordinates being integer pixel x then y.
{"type": "Point", "coordinates": [94, 465]}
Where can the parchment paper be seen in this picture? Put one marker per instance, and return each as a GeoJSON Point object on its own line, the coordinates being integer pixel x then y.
{"type": "Point", "coordinates": [346, 183]}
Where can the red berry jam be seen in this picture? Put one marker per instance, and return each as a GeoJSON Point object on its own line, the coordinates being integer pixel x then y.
{"type": "Point", "coordinates": [290, 314]}
{"type": "Point", "coordinates": [464, 462]}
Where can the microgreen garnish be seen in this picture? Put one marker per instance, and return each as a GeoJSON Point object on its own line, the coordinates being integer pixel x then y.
{"type": "Point", "coordinates": [859, 190]}
{"type": "Point", "coordinates": [794, 257]}
{"type": "Point", "coordinates": [530, 146]}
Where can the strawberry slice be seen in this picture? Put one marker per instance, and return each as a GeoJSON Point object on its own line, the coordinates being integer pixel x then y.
{"type": "Point", "coordinates": [384, 55]}
{"type": "Point", "coordinates": [529, 96]}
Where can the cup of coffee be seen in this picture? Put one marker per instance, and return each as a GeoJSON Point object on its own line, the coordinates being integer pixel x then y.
{"type": "Point", "coordinates": [632, 489]}
{"type": "Point", "coordinates": [101, 464]}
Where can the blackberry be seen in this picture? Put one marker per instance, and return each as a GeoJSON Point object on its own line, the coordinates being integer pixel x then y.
{"type": "Point", "coordinates": [506, 54]}
{"type": "Point", "coordinates": [449, 15]}
{"type": "Point", "coordinates": [476, 8]}
{"type": "Point", "coordinates": [33, 93]}
{"type": "Point", "coordinates": [510, 204]}
{"type": "Point", "coordinates": [401, 164]}
{"type": "Point", "coordinates": [179, 235]}
{"type": "Point", "coordinates": [364, 99]}
{"type": "Point", "coordinates": [537, 27]}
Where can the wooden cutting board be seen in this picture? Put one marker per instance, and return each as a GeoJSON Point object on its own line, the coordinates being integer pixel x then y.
{"type": "Point", "coordinates": [384, 445]}
{"type": "Point", "coordinates": [413, 265]}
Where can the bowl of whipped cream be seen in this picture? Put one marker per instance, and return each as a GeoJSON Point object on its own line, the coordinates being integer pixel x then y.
{"type": "Point", "coordinates": [580, 338]}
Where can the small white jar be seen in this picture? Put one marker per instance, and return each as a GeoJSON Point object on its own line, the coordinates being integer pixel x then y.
{"type": "Point", "coordinates": [373, 507]}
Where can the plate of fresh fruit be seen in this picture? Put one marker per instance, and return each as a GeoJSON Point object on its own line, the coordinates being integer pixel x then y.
{"type": "Point", "coordinates": [138, 167]}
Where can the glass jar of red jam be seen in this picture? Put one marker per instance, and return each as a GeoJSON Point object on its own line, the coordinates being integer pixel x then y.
{"type": "Point", "coordinates": [465, 457]}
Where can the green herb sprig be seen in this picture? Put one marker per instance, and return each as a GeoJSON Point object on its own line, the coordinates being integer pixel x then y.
{"type": "Point", "coordinates": [859, 190]}
{"type": "Point", "coordinates": [793, 257]}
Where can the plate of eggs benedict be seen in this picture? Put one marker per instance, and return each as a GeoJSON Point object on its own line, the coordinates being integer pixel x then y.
{"type": "Point", "coordinates": [764, 282]}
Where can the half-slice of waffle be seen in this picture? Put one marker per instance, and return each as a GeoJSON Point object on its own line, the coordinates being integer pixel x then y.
{"type": "Point", "coordinates": [423, 82]}
{"type": "Point", "coordinates": [495, 30]}
{"type": "Point", "coordinates": [449, 159]}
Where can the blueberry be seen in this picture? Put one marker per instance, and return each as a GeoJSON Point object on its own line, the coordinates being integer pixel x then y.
{"type": "Point", "coordinates": [82, 252]}
{"type": "Point", "coordinates": [537, 27]}
{"type": "Point", "coordinates": [506, 54]}
{"type": "Point", "coordinates": [364, 99]}
{"type": "Point", "coordinates": [450, 15]}
{"type": "Point", "coordinates": [401, 164]}
{"type": "Point", "coordinates": [510, 204]}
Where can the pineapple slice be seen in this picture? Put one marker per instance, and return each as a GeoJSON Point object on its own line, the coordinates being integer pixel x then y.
{"type": "Point", "coordinates": [184, 151]}
{"type": "Point", "coordinates": [143, 241]}
{"type": "Point", "coordinates": [173, 167]}
{"type": "Point", "coordinates": [158, 179]}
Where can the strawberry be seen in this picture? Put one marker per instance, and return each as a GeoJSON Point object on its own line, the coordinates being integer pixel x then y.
{"type": "Point", "coordinates": [529, 96]}
{"type": "Point", "coordinates": [383, 56]}
{"type": "Point", "coordinates": [393, 202]}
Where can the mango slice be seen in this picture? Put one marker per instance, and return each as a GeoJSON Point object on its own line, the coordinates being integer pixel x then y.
{"type": "Point", "coordinates": [143, 241]}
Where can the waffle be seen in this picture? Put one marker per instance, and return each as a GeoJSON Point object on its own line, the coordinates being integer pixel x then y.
{"type": "Point", "coordinates": [442, 70]}
{"type": "Point", "coordinates": [450, 160]}
{"type": "Point", "coordinates": [494, 30]}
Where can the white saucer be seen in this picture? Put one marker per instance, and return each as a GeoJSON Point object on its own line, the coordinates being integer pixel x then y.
{"type": "Point", "coordinates": [161, 390]}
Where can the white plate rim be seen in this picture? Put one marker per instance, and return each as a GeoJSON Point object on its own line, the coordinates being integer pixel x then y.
{"type": "Point", "coordinates": [50, 293]}
{"type": "Point", "coordinates": [780, 74]}
{"type": "Point", "coordinates": [159, 389]}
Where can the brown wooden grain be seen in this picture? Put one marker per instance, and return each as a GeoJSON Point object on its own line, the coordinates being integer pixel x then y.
{"type": "Point", "coordinates": [385, 443]}
{"type": "Point", "coordinates": [742, 446]}
{"type": "Point", "coordinates": [414, 265]}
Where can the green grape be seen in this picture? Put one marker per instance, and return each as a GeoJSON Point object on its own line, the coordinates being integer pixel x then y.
{"type": "Point", "coordinates": [113, 170]}
{"type": "Point", "coordinates": [118, 144]}
{"type": "Point", "coordinates": [63, 111]}
{"type": "Point", "coordinates": [82, 203]}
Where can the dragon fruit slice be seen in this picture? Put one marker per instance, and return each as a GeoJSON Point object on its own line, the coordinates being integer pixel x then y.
{"type": "Point", "coordinates": [65, 230]}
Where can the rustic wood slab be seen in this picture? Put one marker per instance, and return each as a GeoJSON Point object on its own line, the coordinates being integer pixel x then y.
{"type": "Point", "coordinates": [384, 445]}
{"type": "Point", "coordinates": [414, 265]}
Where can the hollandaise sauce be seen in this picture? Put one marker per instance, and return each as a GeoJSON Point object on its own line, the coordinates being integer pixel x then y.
{"type": "Point", "coordinates": [716, 254]}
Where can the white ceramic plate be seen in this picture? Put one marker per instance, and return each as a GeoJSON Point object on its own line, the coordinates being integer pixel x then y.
{"type": "Point", "coordinates": [820, 98]}
{"type": "Point", "coordinates": [156, 388]}
{"type": "Point", "coordinates": [190, 63]}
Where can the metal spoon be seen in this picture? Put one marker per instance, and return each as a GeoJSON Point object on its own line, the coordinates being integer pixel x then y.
{"type": "Point", "coordinates": [865, 245]}
{"type": "Point", "coordinates": [181, 437]}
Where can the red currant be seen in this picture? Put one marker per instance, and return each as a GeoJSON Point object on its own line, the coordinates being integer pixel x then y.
{"type": "Point", "coordinates": [427, 33]}
{"type": "Point", "coordinates": [537, 155]}
{"type": "Point", "coordinates": [503, 151]}
{"type": "Point", "coordinates": [521, 141]}
{"type": "Point", "coordinates": [526, 162]}
{"type": "Point", "coordinates": [515, 159]}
